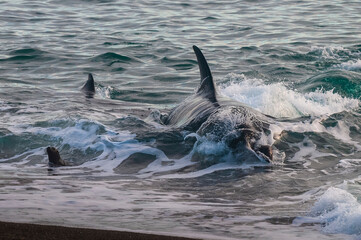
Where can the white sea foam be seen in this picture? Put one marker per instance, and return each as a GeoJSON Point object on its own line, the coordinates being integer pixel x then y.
{"type": "Point", "coordinates": [352, 65]}
{"type": "Point", "coordinates": [334, 52]}
{"type": "Point", "coordinates": [342, 132]}
{"type": "Point", "coordinates": [114, 147]}
{"type": "Point", "coordinates": [341, 54]}
{"type": "Point", "coordinates": [348, 166]}
{"type": "Point", "coordinates": [212, 169]}
{"type": "Point", "coordinates": [338, 211]}
{"type": "Point", "coordinates": [307, 151]}
{"type": "Point", "coordinates": [104, 92]}
{"type": "Point", "coordinates": [82, 135]}
{"type": "Point", "coordinates": [277, 100]}
{"type": "Point", "coordinates": [331, 52]}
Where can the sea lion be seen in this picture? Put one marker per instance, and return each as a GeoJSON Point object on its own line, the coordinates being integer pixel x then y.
{"type": "Point", "coordinates": [54, 158]}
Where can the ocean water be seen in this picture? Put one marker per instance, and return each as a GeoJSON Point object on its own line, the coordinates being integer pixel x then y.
{"type": "Point", "coordinates": [298, 61]}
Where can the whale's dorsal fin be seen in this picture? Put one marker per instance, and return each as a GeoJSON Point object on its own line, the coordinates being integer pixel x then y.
{"type": "Point", "coordinates": [89, 87]}
{"type": "Point", "coordinates": [207, 87]}
{"type": "Point", "coordinates": [202, 63]}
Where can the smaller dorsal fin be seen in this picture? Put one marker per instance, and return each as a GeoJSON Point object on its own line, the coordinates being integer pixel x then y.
{"type": "Point", "coordinates": [207, 87]}
{"type": "Point", "coordinates": [89, 86]}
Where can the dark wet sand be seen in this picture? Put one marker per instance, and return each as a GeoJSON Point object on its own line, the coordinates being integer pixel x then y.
{"type": "Point", "coordinates": [24, 231]}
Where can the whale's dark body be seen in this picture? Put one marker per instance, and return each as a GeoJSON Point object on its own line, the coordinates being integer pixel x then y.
{"type": "Point", "coordinates": [217, 117]}
{"type": "Point", "coordinates": [210, 114]}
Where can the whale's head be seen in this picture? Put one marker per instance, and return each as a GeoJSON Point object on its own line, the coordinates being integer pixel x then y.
{"type": "Point", "coordinates": [242, 132]}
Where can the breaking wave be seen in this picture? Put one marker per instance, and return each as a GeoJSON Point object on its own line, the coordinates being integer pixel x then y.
{"type": "Point", "coordinates": [338, 211]}
{"type": "Point", "coordinates": [277, 100]}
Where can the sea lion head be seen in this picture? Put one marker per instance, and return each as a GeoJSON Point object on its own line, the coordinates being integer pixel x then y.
{"type": "Point", "coordinates": [245, 145]}
{"type": "Point", "coordinates": [54, 156]}
{"type": "Point", "coordinates": [266, 150]}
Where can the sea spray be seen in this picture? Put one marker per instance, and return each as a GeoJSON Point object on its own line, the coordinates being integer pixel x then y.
{"type": "Point", "coordinates": [338, 211]}
{"type": "Point", "coordinates": [277, 100]}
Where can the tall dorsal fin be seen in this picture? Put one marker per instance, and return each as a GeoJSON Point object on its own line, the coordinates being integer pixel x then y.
{"type": "Point", "coordinates": [207, 87]}
{"type": "Point", "coordinates": [89, 87]}
{"type": "Point", "coordinates": [202, 63]}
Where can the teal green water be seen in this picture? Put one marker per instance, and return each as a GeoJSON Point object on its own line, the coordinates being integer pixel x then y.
{"type": "Point", "coordinates": [299, 61]}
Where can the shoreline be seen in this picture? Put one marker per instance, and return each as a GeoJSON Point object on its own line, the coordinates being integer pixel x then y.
{"type": "Point", "coordinates": [30, 231]}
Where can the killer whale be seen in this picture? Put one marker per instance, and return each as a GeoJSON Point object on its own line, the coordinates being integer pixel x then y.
{"type": "Point", "coordinates": [219, 118]}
